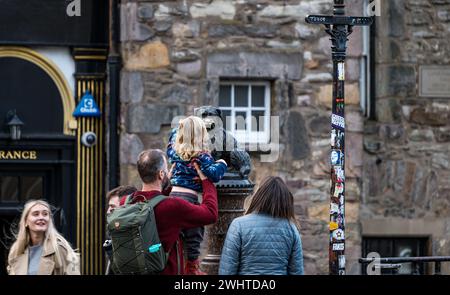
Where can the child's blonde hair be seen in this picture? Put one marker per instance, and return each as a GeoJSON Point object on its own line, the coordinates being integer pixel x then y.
{"type": "Point", "coordinates": [192, 138]}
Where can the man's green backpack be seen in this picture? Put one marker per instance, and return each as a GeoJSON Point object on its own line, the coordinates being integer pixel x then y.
{"type": "Point", "coordinates": [136, 246]}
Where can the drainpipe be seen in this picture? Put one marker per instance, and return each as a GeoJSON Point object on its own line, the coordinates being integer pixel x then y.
{"type": "Point", "coordinates": [114, 66]}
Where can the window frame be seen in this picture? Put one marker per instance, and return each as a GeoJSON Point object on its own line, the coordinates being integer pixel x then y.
{"type": "Point", "coordinates": [248, 136]}
{"type": "Point", "coordinates": [421, 242]}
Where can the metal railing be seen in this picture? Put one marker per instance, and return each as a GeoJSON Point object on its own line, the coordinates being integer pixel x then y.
{"type": "Point", "coordinates": [395, 263]}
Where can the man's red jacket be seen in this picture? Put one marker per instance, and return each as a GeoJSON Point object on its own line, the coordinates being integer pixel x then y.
{"type": "Point", "coordinates": [175, 214]}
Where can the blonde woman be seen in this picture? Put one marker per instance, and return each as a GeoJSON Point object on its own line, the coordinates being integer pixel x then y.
{"type": "Point", "coordinates": [189, 144]}
{"type": "Point", "coordinates": [39, 249]}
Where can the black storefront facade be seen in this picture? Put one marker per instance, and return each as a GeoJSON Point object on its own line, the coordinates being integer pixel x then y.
{"type": "Point", "coordinates": [49, 59]}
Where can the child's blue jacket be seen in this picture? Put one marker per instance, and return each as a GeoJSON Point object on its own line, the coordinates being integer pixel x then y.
{"type": "Point", "coordinates": [184, 173]}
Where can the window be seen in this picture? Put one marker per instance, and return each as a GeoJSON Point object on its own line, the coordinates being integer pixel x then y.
{"type": "Point", "coordinates": [17, 189]}
{"type": "Point", "coordinates": [397, 247]}
{"type": "Point", "coordinates": [246, 110]}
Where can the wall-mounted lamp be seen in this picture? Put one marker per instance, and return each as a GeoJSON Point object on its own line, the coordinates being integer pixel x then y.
{"type": "Point", "coordinates": [14, 124]}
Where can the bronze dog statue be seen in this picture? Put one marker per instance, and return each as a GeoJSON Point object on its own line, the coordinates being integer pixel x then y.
{"type": "Point", "coordinates": [223, 142]}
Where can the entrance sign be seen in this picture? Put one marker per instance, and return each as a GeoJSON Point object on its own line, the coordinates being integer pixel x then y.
{"type": "Point", "coordinates": [18, 155]}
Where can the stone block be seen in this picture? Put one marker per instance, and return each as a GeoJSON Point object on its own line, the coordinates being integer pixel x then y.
{"type": "Point", "coordinates": [299, 11]}
{"type": "Point", "coordinates": [306, 31]}
{"type": "Point", "coordinates": [131, 87]}
{"type": "Point", "coordinates": [148, 118]}
{"type": "Point", "coordinates": [130, 148]}
{"type": "Point", "coordinates": [217, 8]}
{"type": "Point", "coordinates": [440, 161]}
{"type": "Point", "coordinates": [177, 93]}
{"type": "Point", "coordinates": [351, 212]}
{"type": "Point", "coordinates": [150, 56]}
{"type": "Point", "coordinates": [319, 212]}
{"type": "Point", "coordinates": [352, 71]}
{"type": "Point", "coordinates": [353, 154]}
{"type": "Point", "coordinates": [396, 18]}
{"type": "Point", "coordinates": [145, 11]}
{"type": "Point", "coordinates": [354, 121]}
{"type": "Point", "coordinates": [190, 69]}
{"type": "Point", "coordinates": [190, 29]}
{"type": "Point", "coordinates": [304, 100]}
{"type": "Point", "coordinates": [355, 45]}
{"type": "Point", "coordinates": [310, 195]}
{"type": "Point", "coordinates": [317, 77]}
{"type": "Point", "coordinates": [388, 110]}
{"type": "Point", "coordinates": [255, 65]}
{"type": "Point", "coordinates": [421, 135]}
{"type": "Point", "coordinates": [442, 134]}
{"type": "Point", "coordinates": [396, 80]}
{"type": "Point", "coordinates": [430, 116]}
{"type": "Point", "coordinates": [298, 141]}
{"type": "Point", "coordinates": [131, 29]}
{"type": "Point", "coordinates": [283, 45]}
{"type": "Point", "coordinates": [387, 50]}
{"type": "Point", "coordinates": [392, 131]}
{"type": "Point", "coordinates": [184, 55]}
{"type": "Point", "coordinates": [130, 176]}
{"type": "Point", "coordinates": [261, 30]}
{"type": "Point", "coordinates": [320, 125]}
{"type": "Point", "coordinates": [325, 95]}
{"type": "Point", "coordinates": [162, 25]}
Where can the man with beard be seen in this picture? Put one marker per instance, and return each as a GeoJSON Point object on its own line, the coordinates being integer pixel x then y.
{"type": "Point", "coordinates": [174, 214]}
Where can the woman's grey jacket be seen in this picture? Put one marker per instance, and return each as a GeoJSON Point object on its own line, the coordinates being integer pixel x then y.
{"type": "Point", "coordinates": [258, 244]}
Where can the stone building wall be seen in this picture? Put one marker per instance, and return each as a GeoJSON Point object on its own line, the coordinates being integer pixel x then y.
{"type": "Point", "coordinates": [406, 176]}
{"type": "Point", "coordinates": [176, 52]}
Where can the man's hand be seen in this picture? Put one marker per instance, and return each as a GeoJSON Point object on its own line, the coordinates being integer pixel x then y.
{"type": "Point", "coordinates": [199, 171]}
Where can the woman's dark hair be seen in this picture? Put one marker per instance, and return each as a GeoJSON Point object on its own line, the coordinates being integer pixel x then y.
{"type": "Point", "coordinates": [274, 198]}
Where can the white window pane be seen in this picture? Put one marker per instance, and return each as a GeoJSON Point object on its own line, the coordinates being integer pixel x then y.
{"type": "Point", "coordinates": [258, 120]}
{"type": "Point", "coordinates": [226, 117]}
{"type": "Point", "coordinates": [258, 96]}
{"type": "Point", "coordinates": [225, 96]}
{"type": "Point", "coordinates": [241, 96]}
{"type": "Point", "coordinates": [241, 118]}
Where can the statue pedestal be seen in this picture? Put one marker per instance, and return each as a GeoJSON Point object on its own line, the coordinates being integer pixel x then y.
{"type": "Point", "coordinates": [231, 193]}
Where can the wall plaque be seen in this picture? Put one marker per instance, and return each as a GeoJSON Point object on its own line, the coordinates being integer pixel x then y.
{"type": "Point", "coordinates": [434, 81]}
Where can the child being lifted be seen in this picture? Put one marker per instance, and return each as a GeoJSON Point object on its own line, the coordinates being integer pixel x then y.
{"type": "Point", "coordinates": [189, 144]}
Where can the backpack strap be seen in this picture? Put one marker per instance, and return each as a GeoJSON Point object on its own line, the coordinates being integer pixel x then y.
{"type": "Point", "coordinates": [128, 199]}
{"type": "Point", "coordinates": [153, 202]}
{"type": "Point", "coordinates": [156, 200]}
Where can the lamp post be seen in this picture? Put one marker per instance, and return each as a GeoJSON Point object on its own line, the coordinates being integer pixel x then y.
{"type": "Point", "coordinates": [15, 125]}
{"type": "Point", "coordinates": [339, 27]}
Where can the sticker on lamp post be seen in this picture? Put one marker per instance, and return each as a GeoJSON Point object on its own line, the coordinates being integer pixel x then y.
{"type": "Point", "coordinates": [338, 247]}
{"type": "Point", "coordinates": [337, 121]}
{"type": "Point", "coordinates": [338, 234]}
{"type": "Point", "coordinates": [336, 158]}
{"type": "Point", "coordinates": [341, 71]}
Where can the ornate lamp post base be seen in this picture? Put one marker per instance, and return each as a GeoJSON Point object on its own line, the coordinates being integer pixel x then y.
{"type": "Point", "coordinates": [232, 191]}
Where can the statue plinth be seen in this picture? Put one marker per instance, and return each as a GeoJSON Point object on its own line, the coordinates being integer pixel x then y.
{"type": "Point", "coordinates": [231, 193]}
